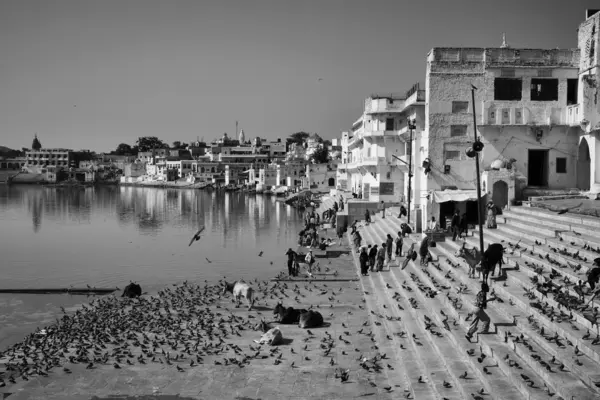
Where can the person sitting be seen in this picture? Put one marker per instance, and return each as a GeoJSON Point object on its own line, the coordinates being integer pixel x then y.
{"type": "Point", "coordinates": [433, 225]}
{"type": "Point", "coordinates": [322, 245]}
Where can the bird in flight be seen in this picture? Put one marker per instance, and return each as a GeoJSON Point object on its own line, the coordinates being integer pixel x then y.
{"type": "Point", "coordinates": [260, 254]}
{"type": "Point", "coordinates": [320, 79]}
{"type": "Point", "coordinates": [196, 236]}
{"type": "Point", "coordinates": [208, 260]}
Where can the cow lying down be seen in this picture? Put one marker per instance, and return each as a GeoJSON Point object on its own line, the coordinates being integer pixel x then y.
{"type": "Point", "coordinates": [305, 319]}
{"type": "Point", "coordinates": [132, 290]}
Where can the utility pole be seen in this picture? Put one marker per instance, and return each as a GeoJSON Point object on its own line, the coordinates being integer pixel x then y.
{"type": "Point", "coordinates": [411, 126]}
{"type": "Point", "coordinates": [477, 147]}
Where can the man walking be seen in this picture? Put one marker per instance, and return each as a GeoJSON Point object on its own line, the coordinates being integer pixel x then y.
{"type": "Point", "coordinates": [480, 315]}
{"type": "Point", "coordinates": [291, 260]}
{"type": "Point", "coordinates": [310, 260]}
{"type": "Point", "coordinates": [380, 257]}
{"type": "Point", "coordinates": [455, 225]}
{"type": "Point", "coordinates": [388, 246]}
{"type": "Point", "coordinates": [399, 244]}
{"type": "Point", "coordinates": [372, 257]}
{"type": "Point", "coordinates": [364, 262]}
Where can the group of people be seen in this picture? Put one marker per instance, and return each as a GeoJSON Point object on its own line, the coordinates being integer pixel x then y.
{"type": "Point", "coordinates": [373, 257]}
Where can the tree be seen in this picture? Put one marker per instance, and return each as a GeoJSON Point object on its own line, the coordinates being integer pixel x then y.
{"type": "Point", "coordinates": [176, 144]}
{"type": "Point", "coordinates": [298, 137]}
{"type": "Point", "coordinates": [123, 149]}
{"type": "Point", "coordinates": [147, 143]}
{"type": "Point", "coordinates": [320, 155]}
{"type": "Point", "coordinates": [327, 143]}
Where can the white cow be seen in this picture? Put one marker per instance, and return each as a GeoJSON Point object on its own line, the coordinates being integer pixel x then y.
{"type": "Point", "coordinates": [240, 289]}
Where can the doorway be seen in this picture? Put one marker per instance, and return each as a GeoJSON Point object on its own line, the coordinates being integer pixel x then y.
{"type": "Point", "coordinates": [446, 211]}
{"type": "Point", "coordinates": [500, 193]}
{"type": "Point", "coordinates": [537, 168]}
{"type": "Point", "coordinates": [472, 207]}
{"type": "Point", "coordinates": [583, 166]}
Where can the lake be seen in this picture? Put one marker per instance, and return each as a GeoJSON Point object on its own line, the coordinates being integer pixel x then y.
{"type": "Point", "coordinates": [109, 236]}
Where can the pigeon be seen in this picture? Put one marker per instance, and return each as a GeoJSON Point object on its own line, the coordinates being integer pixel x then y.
{"type": "Point", "coordinates": [260, 254]}
{"type": "Point", "coordinates": [567, 209]}
{"type": "Point", "coordinates": [196, 237]}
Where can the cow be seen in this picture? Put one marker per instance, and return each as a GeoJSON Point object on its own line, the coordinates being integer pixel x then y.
{"type": "Point", "coordinates": [239, 289]}
{"type": "Point", "coordinates": [132, 291]}
{"type": "Point", "coordinates": [483, 265]}
{"type": "Point", "coordinates": [287, 315]}
{"type": "Point", "coordinates": [272, 337]}
{"type": "Point", "coordinates": [310, 319]}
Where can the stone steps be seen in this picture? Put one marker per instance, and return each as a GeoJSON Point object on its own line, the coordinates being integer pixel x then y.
{"type": "Point", "coordinates": [382, 332]}
{"type": "Point", "coordinates": [518, 279]}
{"type": "Point", "coordinates": [574, 219]}
{"type": "Point", "coordinates": [411, 354]}
{"type": "Point", "coordinates": [526, 262]}
{"type": "Point", "coordinates": [580, 373]}
{"type": "Point", "coordinates": [451, 346]}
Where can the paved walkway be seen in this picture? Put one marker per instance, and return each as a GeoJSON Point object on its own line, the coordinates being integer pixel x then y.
{"type": "Point", "coordinates": [168, 324]}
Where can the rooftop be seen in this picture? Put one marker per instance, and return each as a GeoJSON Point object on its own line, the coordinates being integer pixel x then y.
{"type": "Point", "coordinates": [505, 56]}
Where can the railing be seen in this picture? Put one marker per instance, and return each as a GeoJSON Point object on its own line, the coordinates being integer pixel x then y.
{"type": "Point", "coordinates": [568, 57]}
{"type": "Point", "coordinates": [573, 115]}
{"type": "Point", "coordinates": [515, 113]}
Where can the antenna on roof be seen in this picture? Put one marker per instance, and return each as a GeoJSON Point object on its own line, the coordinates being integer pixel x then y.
{"type": "Point", "coordinates": [504, 45]}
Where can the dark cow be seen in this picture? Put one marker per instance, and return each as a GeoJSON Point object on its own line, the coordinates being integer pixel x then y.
{"type": "Point", "coordinates": [132, 290]}
{"type": "Point", "coordinates": [287, 315]}
{"type": "Point", "coordinates": [310, 319]}
{"type": "Point", "coordinates": [493, 256]}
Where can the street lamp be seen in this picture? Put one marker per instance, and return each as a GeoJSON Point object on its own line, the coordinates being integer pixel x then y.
{"type": "Point", "coordinates": [412, 124]}
{"type": "Point", "coordinates": [473, 152]}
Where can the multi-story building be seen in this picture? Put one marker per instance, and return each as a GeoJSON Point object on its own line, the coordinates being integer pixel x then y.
{"type": "Point", "coordinates": [36, 159]}
{"type": "Point", "coordinates": [536, 116]}
{"type": "Point", "coordinates": [369, 154]}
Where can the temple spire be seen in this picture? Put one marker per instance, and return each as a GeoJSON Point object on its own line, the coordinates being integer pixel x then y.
{"type": "Point", "coordinates": [36, 145]}
{"type": "Point", "coordinates": [504, 45]}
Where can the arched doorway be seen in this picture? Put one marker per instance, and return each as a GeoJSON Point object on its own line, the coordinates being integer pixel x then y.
{"type": "Point", "coordinates": [583, 166]}
{"type": "Point", "coordinates": [331, 182]}
{"type": "Point", "coordinates": [500, 194]}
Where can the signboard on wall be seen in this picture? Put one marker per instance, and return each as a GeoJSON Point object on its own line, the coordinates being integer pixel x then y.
{"type": "Point", "coordinates": [386, 188]}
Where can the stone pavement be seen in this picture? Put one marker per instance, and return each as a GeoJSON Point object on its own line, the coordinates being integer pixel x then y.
{"type": "Point", "coordinates": [304, 371]}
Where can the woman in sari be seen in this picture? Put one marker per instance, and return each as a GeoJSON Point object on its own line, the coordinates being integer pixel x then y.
{"type": "Point", "coordinates": [491, 215]}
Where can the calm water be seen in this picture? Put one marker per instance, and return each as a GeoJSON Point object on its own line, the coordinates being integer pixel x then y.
{"type": "Point", "coordinates": [107, 236]}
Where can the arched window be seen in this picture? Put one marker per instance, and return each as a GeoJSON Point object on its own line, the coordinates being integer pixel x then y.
{"type": "Point", "coordinates": [331, 182]}
{"type": "Point", "coordinates": [212, 170]}
{"type": "Point", "coordinates": [202, 169]}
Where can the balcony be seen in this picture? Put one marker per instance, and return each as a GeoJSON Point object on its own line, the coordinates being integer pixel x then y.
{"type": "Point", "coordinates": [515, 113]}
{"type": "Point", "coordinates": [386, 105]}
{"type": "Point", "coordinates": [394, 133]}
{"type": "Point", "coordinates": [573, 116]}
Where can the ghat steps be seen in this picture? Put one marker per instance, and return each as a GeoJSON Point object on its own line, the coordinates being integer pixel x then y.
{"type": "Point", "coordinates": [521, 360]}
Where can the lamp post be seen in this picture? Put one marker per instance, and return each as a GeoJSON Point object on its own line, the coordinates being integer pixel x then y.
{"type": "Point", "coordinates": [476, 148]}
{"type": "Point", "coordinates": [411, 126]}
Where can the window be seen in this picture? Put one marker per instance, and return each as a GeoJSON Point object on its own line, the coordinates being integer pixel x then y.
{"type": "Point", "coordinates": [561, 165]}
{"type": "Point", "coordinates": [544, 89]}
{"type": "Point", "coordinates": [507, 89]}
{"type": "Point", "coordinates": [458, 130]}
{"type": "Point", "coordinates": [572, 91]}
{"type": "Point", "coordinates": [460, 107]}
{"type": "Point", "coordinates": [452, 155]}
{"type": "Point", "coordinates": [389, 124]}
{"type": "Point", "coordinates": [544, 73]}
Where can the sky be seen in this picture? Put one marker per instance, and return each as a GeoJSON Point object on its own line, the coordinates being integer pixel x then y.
{"type": "Point", "coordinates": [90, 74]}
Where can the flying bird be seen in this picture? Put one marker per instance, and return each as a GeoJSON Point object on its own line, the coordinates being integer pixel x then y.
{"type": "Point", "coordinates": [320, 79]}
{"type": "Point", "coordinates": [567, 209]}
{"type": "Point", "coordinates": [208, 260]}
{"type": "Point", "coordinates": [196, 236]}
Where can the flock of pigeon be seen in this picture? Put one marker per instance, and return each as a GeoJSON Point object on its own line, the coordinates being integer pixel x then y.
{"type": "Point", "coordinates": [183, 327]}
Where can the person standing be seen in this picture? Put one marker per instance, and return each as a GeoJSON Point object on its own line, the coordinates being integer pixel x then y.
{"type": "Point", "coordinates": [291, 260]}
{"type": "Point", "coordinates": [367, 216]}
{"type": "Point", "coordinates": [464, 225]}
{"type": "Point", "coordinates": [373, 257]}
{"type": "Point", "coordinates": [388, 246]}
{"type": "Point", "coordinates": [399, 244]}
{"type": "Point", "coordinates": [380, 257]}
{"type": "Point", "coordinates": [491, 215]}
{"type": "Point", "coordinates": [364, 262]}
{"type": "Point", "coordinates": [455, 225]}
{"type": "Point", "coordinates": [382, 210]}
{"type": "Point", "coordinates": [310, 260]}
{"type": "Point", "coordinates": [480, 315]}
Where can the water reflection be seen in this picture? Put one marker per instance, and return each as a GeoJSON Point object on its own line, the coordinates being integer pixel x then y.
{"type": "Point", "coordinates": [106, 234]}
